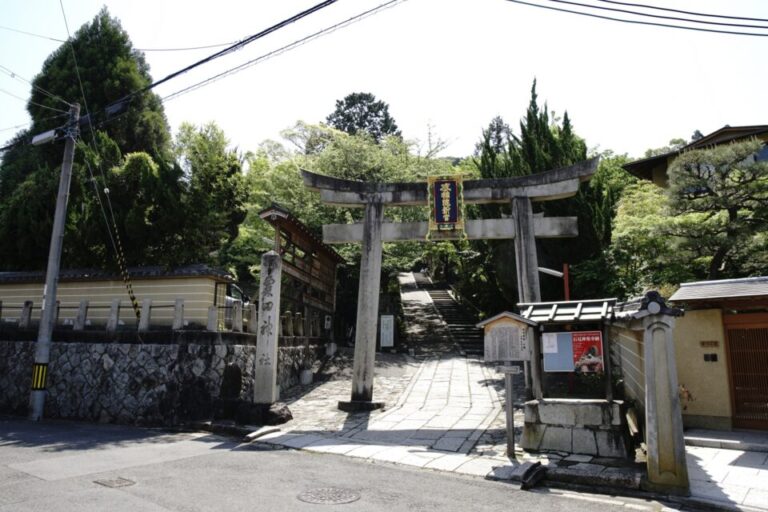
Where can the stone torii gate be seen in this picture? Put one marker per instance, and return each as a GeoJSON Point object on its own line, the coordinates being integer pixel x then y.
{"type": "Point", "coordinates": [523, 226]}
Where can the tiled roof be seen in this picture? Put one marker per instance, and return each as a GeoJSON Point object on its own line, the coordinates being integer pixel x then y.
{"type": "Point", "coordinates": [92, 274]}
{"type": "Point", "coordinates": [722, 289]}
{"type": "Point", "coordinates": [568, 312]}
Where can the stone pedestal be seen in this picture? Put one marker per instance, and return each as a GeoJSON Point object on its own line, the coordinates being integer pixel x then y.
{"type": "Point", "coordinates": [588, 427]}
{"type": "Point", "coordinates": [265, 378]}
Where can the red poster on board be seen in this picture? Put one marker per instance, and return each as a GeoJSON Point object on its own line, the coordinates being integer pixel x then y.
{"type": "Point", "coordinates": [587, 351]}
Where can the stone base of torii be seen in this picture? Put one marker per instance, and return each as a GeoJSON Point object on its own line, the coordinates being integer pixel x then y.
{"type": "Point", "coordinates": [523, 227]}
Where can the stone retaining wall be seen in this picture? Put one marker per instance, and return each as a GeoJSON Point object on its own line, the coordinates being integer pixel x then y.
{"type": "Point", "coordinates": [135, 383]}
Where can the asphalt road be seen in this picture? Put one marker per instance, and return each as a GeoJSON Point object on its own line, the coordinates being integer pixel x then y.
{"type": "Point", "coordinates": [57, 466]}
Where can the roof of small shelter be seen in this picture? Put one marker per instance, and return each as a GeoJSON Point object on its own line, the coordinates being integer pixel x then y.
{"type": "Point", "coordinates": [95, 274]}
{"type": "Point", "coordinates": [279, 217]}
{"type": "Point", "coordinates": [507, 314]}
{"type": "Point", "coordinates": [750, 287]}
{"type": "Point", "coordinates": [568, 312]}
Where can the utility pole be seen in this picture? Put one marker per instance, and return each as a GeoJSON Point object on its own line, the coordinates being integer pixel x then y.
{"type": "Point", "coordinates": [47, 315]}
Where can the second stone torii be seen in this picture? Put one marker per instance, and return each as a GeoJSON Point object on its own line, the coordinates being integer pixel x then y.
{"type": "Point", "coordinates": [374, 197]}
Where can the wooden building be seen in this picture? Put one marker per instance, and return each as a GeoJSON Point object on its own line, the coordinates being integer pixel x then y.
{"type": "Point", "coordinates": [309, 270]}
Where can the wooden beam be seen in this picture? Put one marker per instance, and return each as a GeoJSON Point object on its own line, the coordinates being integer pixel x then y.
{"type": "Point", "coordinates": [544, 227]}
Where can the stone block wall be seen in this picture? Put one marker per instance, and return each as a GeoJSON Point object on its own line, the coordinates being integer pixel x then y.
{"type": "Point", "coordinates": [135, 383]}
{"type": "Point", "coordinates": [588, 427]}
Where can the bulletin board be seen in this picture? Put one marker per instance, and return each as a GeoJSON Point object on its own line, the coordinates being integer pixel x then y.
{"type": "Point", "coordinates": [580, 351]}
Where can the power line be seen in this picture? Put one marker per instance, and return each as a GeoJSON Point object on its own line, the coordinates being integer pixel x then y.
{"type": "Point", "coordinates": [22, 125]}
{"type": "Point", "coordinates": [238, 45]}
{"type": "Point", "coordinates": [187, 48]}
{"type": "Point", "coordinates": [32, 34]}
{"type": "Point", "coordinates": [283, 49]}
{"type": "Point", "coordinates": [658, 16]}
{"type": "Point", "coordinates": [693, 13]}
{"type": "Point", "coordinates": [32, 102]}
{"type": "Point", "coordinates": [17, 76]}
{"type": "Point", "coordinates": [638, 22]}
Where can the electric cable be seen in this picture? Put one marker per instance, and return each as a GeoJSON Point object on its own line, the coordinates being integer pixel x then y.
{"type": "Point", "coordinates": [182, 49]}
{"type": "Point", "coordinates": [658, 16]}
{"type": "Point", "coordinates": [284, 49]}
{"type": "Point", "coordinates": [692, 13]}
{"type": "Point", "coordinates": [30, 102]}
{"type": "Point", "coordinates": [22, 125]}
{"type": "Point", "coordinates": [16, 76]}
{"type": "Point", "coordinates": [638, 22]}
{"type": "Point", "coordinates": [238, 45]}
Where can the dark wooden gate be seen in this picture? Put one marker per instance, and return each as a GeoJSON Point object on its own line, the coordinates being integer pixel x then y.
{"type": "Point", "coordinates": [747, 342]}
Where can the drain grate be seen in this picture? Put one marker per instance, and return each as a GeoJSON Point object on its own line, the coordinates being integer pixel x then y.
{"type": "Point", "coordinates": [114, 484]}
{"type": "Point", "coordinates": [329, 496]}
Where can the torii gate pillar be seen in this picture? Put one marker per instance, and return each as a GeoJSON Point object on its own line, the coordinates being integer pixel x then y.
{"type": "Point", "coordinates": [367, 311]}
{"type": "Point", "coordinates": [525, 251]}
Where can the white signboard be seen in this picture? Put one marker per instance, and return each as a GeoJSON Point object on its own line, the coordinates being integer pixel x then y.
{"type": "Point", "coordinates": [506, 342]}
{"type": "Point", "coordinates": [387, 331]}
{"type": "Point", "coordinates": [549, 343]}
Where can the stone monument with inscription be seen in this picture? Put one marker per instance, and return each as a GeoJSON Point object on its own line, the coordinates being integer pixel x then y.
{"type": "Point", "coordinates": [265, 381]}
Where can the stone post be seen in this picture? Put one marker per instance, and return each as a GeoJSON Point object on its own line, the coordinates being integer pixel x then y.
{"type": "Point", "coordinates": [25, 322]}
{"type": "Point", "coordinates": [178, 315]}
{"type": "Point", "coordinates": [146, 315]}
{"type": "Point", "coordinates": [253, 318]}
{"type": "Point", "coordinates": [237, 316]}
{"type": "Point", "coordinates": [114, 316]}
{"type": "Point", "coordinates": [667, 470]}
{"type": "Point", "coordinates": [82, 315]}
{"type": "Point", "coordinates": [367, 311]}
{"type": "Point", "coordinates": [298, 325]}
{"type": "Point", "coordinates": [213, 319]}
{"type": "Point", "coordinates": [265, 378]}
{"type": "Point", "coordinates": [287, 323]}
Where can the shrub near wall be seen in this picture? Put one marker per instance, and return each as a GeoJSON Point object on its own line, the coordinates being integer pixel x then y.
{"type": "Point", "coordinates": [132, 383]}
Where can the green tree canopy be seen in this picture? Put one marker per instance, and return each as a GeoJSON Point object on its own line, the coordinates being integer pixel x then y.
{"type": "Point", "coordinates": [720, 198]}
{"type": "Point", "coordinates": [110, 69]}
{"type": "Point", "coordinates": [362, 112]}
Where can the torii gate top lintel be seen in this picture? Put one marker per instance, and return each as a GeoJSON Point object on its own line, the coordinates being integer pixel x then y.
{"type": "Point", "coordinates": [545, 186]}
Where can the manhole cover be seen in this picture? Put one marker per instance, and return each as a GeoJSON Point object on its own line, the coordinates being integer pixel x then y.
{"type": "Point", "coordinates": [117, 482]}
{"type": "Point", "coordinates": [329, 496]}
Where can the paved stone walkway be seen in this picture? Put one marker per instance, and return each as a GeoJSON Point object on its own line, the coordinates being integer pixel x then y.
{"type": "Point", "coordinates": [447, 406]}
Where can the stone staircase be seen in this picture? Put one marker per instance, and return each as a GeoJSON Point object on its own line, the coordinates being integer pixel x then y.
{"type": "Point", "coordinates": [460, 324]}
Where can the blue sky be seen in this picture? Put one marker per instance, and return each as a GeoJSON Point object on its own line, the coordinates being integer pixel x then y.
{"type": "Point", "coordinates": [447, 66]}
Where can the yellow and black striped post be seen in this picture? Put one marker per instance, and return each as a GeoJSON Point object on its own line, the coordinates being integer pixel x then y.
{"type": "Point", "coordinates": [39, 376]}
{"type": "Point", "coordinates": [124, 272]}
